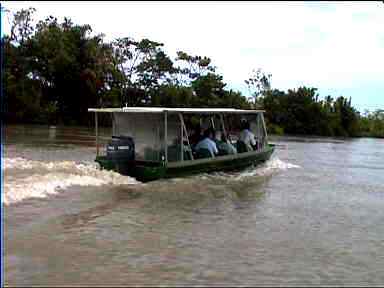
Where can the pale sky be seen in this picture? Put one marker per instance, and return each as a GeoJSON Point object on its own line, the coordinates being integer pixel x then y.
{"type": "Point", "coordinates": [337, 47]}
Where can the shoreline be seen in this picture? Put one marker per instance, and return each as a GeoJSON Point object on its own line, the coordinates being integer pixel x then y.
{"type": "Point", "coordinates": [91, 127]}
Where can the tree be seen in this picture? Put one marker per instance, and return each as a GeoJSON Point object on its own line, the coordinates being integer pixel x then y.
{"type": "Point", "coordinates": [189, 67]}
{"type": "Point", "coordinates": [258, 83]}
{"type": "Point", "coordinates": [54, 71]}
{"type": "Point", "coordinates": [208, 90]}
{"type": "Point", "coordinates": [154, 70]}
{"type": "Point", "coordinates": [144, 66]}
{"type": "Point", "coordinates": [68, 64]}
{"type": "Point", "coordinates": [22, 93]}
{"type": "Point", "coordinates": [22, 28]}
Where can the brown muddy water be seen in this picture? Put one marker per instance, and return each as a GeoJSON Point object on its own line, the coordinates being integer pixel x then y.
{"type": "Point", "coordinates": [312, 215]}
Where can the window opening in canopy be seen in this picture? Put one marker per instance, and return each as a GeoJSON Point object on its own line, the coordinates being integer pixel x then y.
{"type": "Point", "coordinates": [147, 131]}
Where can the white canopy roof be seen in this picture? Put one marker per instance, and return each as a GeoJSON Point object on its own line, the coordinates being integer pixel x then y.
{"type": "Point", "coordinates": [173, 110]}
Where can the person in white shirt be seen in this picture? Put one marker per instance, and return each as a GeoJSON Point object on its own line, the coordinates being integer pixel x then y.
{"type": "Point", "coordinates": [208, 143]}
{"type": "Point", "coordinates": [247, 137]}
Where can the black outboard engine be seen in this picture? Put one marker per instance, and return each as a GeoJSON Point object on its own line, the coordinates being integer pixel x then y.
{"type": "Point", "coordinates": [121, 148]}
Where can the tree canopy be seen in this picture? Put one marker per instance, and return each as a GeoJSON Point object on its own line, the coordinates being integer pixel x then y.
{"type": "Point", "coordinates": [54, 71]}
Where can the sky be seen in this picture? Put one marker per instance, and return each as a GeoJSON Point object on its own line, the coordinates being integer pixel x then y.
{"type": "Point", "coordinates": [337, 47]}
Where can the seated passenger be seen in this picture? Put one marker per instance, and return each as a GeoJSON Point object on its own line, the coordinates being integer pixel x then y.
{"type": "Point", "coordinates": [196, 137]}
{"type": "Point", "coordinates": [207, 143]}
{"type": "Point", "coordinates": [246, 136]}
{"type": "Point", "coordinates": [224, 146]}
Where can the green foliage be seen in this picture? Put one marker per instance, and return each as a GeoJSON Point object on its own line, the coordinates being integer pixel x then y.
{"type": "Point", "coordinates": [209, 89]}
{"type": "Point", "coordinates": [174, 96]}
{"type": "Point", "coordinates": [275, 129]}
{"type": "Point", "coordinates": [300, 112]}
{"type": "Point", "coordinates": [144, 66]}
{"type": "Point", "coordinates": [372, 124]}
{"type": "Point", "coordinates": [53, 72]}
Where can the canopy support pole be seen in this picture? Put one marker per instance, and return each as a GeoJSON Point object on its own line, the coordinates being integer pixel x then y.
{"type": "Point", "coordinates": [181, 138]}
{"type": "Point", "coordinates": [97, 135]}
{"type": "Point", "coordinates": [113, 124]}
{"type": "Point", "coordinates": [183, 127]}
{"type": "Point", "coordinates": [166, 136]}
{"type": "Point", "coordinates": [212, 123]}
{"type": "Point", "coordinates": [265, 130]}
{"type": "Point", "coordinates": [227, 136]}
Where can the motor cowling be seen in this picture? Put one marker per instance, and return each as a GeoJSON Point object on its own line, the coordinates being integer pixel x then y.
{"type": "Point", "coordinates": [121, 148]}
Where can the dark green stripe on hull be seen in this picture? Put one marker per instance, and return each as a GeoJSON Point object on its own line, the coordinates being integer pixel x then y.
{"type": "Point", "coordinates": [147, 171]}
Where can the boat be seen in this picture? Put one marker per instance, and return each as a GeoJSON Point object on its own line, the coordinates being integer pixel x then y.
{"type": "Point", "coordinates": [149, 143]}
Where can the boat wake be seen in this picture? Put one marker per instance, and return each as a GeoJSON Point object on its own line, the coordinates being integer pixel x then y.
{"type": "Point", "coordinates": [198, 191]}
{"type": "Point", "coordinates": [25, 178]}
{"type": "Point", "coordinates": [268, 168]}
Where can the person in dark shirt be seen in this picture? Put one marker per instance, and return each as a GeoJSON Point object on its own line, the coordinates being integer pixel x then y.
{"type": "Point", "coordinates": [196, 136]}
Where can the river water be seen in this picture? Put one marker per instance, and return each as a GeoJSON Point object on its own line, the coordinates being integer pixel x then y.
{"type": "Point", "coordinates": [312, 215]}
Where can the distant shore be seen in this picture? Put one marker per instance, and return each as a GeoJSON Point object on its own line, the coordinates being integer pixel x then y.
{"type": "Point", "coordinates": [91, 127]}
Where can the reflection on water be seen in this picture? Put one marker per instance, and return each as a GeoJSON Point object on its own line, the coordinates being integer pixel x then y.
{"type": "Point", "coordinates": [312, 215]}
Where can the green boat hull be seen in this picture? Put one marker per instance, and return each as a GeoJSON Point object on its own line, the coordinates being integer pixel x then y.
{"type": "Point", "coordinates": [148, 171]}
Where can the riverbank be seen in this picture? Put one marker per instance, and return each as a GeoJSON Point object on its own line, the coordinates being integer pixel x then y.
{"type": "Point", "coordinates": [271, 132]}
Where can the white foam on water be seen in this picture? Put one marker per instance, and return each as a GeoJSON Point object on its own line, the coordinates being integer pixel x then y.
{"type": "Point", "coordinates": [277, 164]}
{"type": "Point", "coordinates": [269, 167]}
{"type": "Point", "coordinates": [18, 162]}
{"type": "Point", "coordinates": [47, 178]}
{"type": "Point", "coordinates": [25, 178]}
{"type": "Point", "coordinates": [25, 164]}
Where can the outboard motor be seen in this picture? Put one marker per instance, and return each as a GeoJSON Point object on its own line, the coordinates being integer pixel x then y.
{"type": "Point", "coordinates": [121, 148]}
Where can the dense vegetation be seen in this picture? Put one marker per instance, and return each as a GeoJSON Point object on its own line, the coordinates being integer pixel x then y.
{"type": "Point", "coordinates": [53, 72]}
